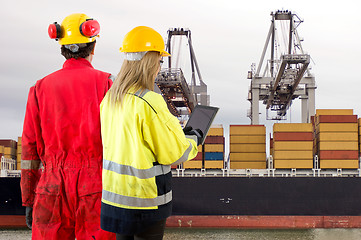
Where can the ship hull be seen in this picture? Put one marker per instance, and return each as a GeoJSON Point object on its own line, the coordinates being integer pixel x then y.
{"type": "Point", "coordinates": [240, 202]}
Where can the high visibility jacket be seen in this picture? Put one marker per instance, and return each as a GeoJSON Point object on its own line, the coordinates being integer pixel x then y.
{"type": "Point", "coordinates": [62, 131]}
{"type": "Point", "coordinates": [141, 140]}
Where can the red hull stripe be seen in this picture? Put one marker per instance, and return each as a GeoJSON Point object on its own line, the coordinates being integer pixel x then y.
{"type": "Point", "coordinates": [265, 222]}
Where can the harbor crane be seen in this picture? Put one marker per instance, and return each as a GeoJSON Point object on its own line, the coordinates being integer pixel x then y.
{"type": "Point", "coordinates": [180, 96]}
{"type": "Point", "coordinates": [286, 75]}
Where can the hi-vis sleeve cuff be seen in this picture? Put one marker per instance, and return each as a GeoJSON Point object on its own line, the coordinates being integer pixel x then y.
{"type": "Point", "coordinates": [185, 155]}
{"type": "Point", "coordinates": [30, 164]}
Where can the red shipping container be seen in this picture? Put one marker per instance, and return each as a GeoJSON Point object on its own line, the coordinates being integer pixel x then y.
{"type": "Point", "coordinates": [8, 143]}
{"type": "Point", "coordinates": [339, 154]}
{"type": "Point", "coordinates": [337, 119]}
{"type": "Point", "coordinates": [293, 136]}
{"type": "Point", "coordinates": [214, 140]}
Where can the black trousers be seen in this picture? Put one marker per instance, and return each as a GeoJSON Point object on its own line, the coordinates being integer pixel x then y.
{"type": "Point", "coordinates": [153, 232]}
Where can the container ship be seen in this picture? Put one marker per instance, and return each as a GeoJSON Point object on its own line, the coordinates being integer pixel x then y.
{"type": "Point", "coordinates": [310, 177]}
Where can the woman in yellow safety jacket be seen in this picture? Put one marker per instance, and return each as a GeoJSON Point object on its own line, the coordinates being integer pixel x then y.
{"type": "Point", "coordinates": [141, 140]}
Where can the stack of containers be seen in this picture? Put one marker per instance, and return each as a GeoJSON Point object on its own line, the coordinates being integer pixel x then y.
{"type": "Point", "coordinates": [247, 146]}
{"type": "Point", "coordinates": [337, 138]}
{"type": "Point", "coordinates": [213, 151]}
{"type": "Point", "coordinates": [18, 158]}
{"type": "Point", "coordinates": [293, 145]}
{"type": "Point", "coordinates": [214, 148]}
{"type": "Point", "coordinates": [9, 148]}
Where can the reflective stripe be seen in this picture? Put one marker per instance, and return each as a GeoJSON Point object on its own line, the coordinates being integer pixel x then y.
{"type": "Point", "coordinates": [137, 202]}
{"type": "Point", "coordinates": [141, 94]}
{"type": "Point", "coordinates": [184, 157]}
{"type": "Point", "coordinates": [30, 164]}
{"type": "Point", "coordinates": [156, 170]}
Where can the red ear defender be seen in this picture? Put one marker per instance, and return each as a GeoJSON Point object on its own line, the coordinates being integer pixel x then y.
{"type": "Point", "coordinates": [54, 31]}
{"type": "Point", "coordinates": [90, 28]}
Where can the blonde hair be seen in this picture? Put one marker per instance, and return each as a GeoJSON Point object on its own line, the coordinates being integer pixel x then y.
{"type": "Point", "coordinates": [135, 75]}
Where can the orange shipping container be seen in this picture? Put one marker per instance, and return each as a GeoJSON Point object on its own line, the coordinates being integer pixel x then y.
{"type": "Point", "coordinates": [292, 155]}
{"type": "Point", "coordinates": [248, 165]}
{"type": "Point", "coordinates": [248, 139]}
{"type": "Point", "coordinates": [192, 164]}
{"type": "Point", "coordinates": [299, 163]}
{"type": "Point", "coordinates": [213, 164]}
{"type": "Point", "coordinates": [247, 130]}
{"type": "Point", "coordinates": [334, 112]}
{"type": "Point", "coordinates": [245, 147]}
{"type": "Point", "coordinates": [343, 164]}
{"type": "Point", "coordinates": [247, 157]}
{"type": "Point", "coordinates": [292, 127]}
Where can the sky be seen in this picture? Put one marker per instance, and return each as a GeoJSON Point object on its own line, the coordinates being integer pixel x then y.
{"type": "Point", "coordinates": [227, 36]}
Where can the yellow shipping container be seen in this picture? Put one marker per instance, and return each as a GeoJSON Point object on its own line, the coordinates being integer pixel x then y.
{"type": "Point", "coordinates": [334, 112]}
{"type": "Point", "coordinates": [199, 148]}
{"type": "Point", "coordinates": [248, 165]}
{"type": "Point", "coordinates": [300, 163]}
{"type": "Point", "coordinates": [248, 139]}
{"type": "Point", "coordinates": [19, 141]}
{"type": "Point", "coordinates": [345, 164]}
{"type": "Point", "coordinates": [338, 145]}
{"type": "Point", "coordinates": [18, 166]}
{"type": "Point", "coordinates": [9, 151]}
{"type": "Point", "coordinates": [337, 136]}
{"type": "Point", "coordinates": [247, 130]}
{"type": "Point", "coordinates": [2, 149]}
{"type": "Point", "coordinates": [193, 164]}
{"type": "Point", "coordinates": [292, 127]}
{"type": "Point", "coordinates": [247, 157]}
{"type": "Point", "coordinates": [337, 127]}
{"type": "Point", "coordinates": [248, 147]}
{"type": "Point", "coordinates": [293, 145]}
{"type": "Point", "coordinates": [292, 155]}
{"type": "Point", "coordinates": [18, 157]}
{"type": "Point", "coordinates": [213, 164]}
{"type": "Point", "coordinates": [215, 131]}
{"type": "Point", "coordinates": [214, 148]}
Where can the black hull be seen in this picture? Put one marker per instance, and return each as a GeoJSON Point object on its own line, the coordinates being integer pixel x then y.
{"type": "Point", "coordinates": [259, 196]}
{"type": "Point", "coordinates": [314, 196]}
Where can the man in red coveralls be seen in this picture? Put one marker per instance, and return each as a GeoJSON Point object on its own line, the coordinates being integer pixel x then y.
{"type": "Point", "coordinates": [62, 133]}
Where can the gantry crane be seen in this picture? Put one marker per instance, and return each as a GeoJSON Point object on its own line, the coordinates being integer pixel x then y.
{"type": "Point", "coordinates": [286, 75]}
{"type": "Point", "coordinates": [180, 96]}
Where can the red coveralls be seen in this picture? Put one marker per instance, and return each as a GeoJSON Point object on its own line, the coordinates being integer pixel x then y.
{"type": "Point", "coordinates": [62, 130]}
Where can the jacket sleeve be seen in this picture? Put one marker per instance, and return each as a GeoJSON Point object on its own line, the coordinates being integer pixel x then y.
{"type": "Point", "coordinates": [30, 160]}
{"type": "Point", "coordinates": [165, 137]}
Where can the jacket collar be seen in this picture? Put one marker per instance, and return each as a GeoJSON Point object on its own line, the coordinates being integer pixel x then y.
{"type": "Point", "coordinates": [77, 63]}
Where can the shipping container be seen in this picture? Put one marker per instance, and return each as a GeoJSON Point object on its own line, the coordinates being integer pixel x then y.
{"type": "Point", "coordinates": [293, 145]}
{"type": "Point", "coordinates": [247, 157]}
{"type": "Point", "coordinates": [248, 147]}
{"type": "Point", "coordinates": [341, 163]}
{"type": "Point", "coordinates": [292, 155]}
{"type": "Point", "coordinates": [248, 139]}
{"type": "Point", "coordinates": [292, 127]}
{"type": "Point", "coordinates": [292, 136]}
{"type": "Point", "coordinates": [334, 112]}
{"type": "Point", "coordinates": [248, 165]}
{"type": "Point", "coordinates": [290, 164]}
{"type": "Point", "coordinates": [247, 130]}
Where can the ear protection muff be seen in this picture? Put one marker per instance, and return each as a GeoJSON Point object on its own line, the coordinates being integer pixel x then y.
{"type": "Point", "coordinates": [90, 28]}
{"type": "Point", "coordinates": [54, 31]}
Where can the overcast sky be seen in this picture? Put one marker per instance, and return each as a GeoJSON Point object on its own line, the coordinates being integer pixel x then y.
{"type": "Point", "coordinates": [228, 36]}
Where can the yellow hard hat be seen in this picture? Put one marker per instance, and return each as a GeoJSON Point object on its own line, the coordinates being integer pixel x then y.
{"type": "Point", "coordinates": [75, 28]}
{"type": "Point", "coordinates": [143, 39]}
